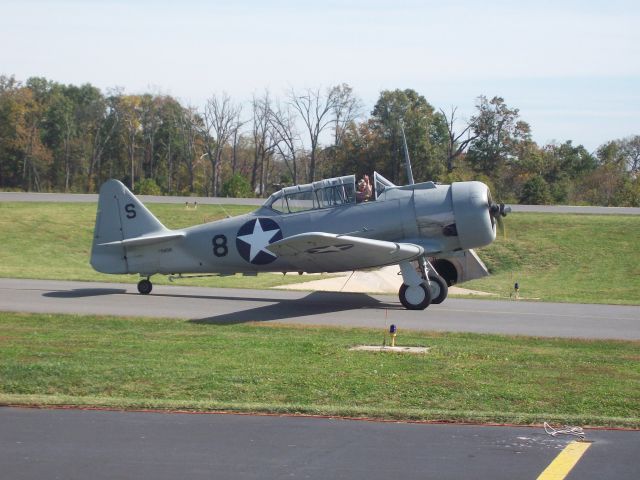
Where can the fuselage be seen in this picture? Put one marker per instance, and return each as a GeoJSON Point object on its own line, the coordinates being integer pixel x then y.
{"type": "Point", "coordinates": [440, 218]}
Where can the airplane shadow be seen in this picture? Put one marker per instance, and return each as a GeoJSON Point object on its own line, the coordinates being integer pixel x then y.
{"type": "Point", "coordinates": [316, 303]}
{"type": "Point", "coordinates": [85, 292]}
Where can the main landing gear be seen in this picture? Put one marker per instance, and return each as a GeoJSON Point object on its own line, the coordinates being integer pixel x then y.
{"type": "Point", "coordinates": [145, 286]}
{"type": "Point", "coordinates": [419, 290]}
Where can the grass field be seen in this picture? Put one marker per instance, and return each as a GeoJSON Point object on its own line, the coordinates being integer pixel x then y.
{"type": "Point", "coordinates": [172, 364]}
{"type": "Point", "coordinates": [566, 258]}
{"type": "Point", "coordinates": [569, 258]}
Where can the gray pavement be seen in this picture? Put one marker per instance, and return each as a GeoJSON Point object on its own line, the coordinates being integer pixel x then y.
{"type": "Point", "coordinates": [80, 444]}
{"type": "Point", "coordinates": [93, 198]}
{"type": "Point", "coordinates": [576, 209]}
{"type": "Point", "coordinates": [223, 306]}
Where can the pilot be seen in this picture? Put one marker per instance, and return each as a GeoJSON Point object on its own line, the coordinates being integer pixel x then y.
{"type": "Point", "coordinates": [363, 193]}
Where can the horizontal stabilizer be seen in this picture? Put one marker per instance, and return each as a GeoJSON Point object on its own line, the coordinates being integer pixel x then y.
{"type": "Point", "coordinates": [144, 240]}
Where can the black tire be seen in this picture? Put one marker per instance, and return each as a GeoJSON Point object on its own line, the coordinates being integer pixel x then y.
{"type": "Point", "coordinates": [413, 299]}
{"type": "Point", "coordinates": [145, 287]}
{"type": "Point", "coordinates": [439, 289]}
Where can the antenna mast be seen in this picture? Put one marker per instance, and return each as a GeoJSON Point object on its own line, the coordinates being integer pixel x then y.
{"type": "Point", "coordinates": [407, 160]}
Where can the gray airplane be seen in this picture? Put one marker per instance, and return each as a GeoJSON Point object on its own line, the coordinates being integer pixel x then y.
{"type": "Point", "coordinates": [428, 229]}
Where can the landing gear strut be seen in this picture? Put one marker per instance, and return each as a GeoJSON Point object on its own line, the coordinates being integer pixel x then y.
{"type": "Point", "coordinates": [437, 284]}
{"type": "Point", "coordinates": [145, 286]}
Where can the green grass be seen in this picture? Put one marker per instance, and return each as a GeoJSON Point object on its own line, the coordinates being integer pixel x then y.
{"type": "Point", "coordinates": [566, 258]}
{"type": "Point", "coordinates": [173, 364]}
{"type": "Point", "coordinates": [53, 241]}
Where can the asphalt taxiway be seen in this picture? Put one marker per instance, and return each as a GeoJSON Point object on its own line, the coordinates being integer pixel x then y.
{"type": "Point", "coordinates": [135, 445]}
{"type": "Point", "coordinates": [226, 306]}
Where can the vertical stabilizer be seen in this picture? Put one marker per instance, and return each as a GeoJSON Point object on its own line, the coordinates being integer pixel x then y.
{"type": "Point", "coordinates": [120, 216]}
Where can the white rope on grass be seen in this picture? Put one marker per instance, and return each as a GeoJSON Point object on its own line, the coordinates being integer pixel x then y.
{"type": "Point", "coordinates": [566, 430]}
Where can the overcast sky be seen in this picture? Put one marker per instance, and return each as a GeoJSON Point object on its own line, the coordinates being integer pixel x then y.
{"type": "Point", "coordinates": [571, 67]}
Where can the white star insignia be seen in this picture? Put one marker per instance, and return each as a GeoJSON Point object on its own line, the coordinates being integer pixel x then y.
{"type": "Point", "coordinates": [259, 239]}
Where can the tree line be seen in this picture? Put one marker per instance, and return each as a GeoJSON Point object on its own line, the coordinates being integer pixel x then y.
{"type": "Point", "coordinates": [67, 138]}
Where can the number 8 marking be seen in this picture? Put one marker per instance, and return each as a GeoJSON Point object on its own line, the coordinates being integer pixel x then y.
{"type": "Point", "coordinates": [220, 248]}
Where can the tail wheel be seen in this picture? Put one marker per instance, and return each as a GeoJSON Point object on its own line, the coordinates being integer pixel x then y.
{"type": "Point", "coordinates": [415, 297]}
{"type": "Point", "coordinates": [145, 286]}
{"type": "Point", "coordinates": [439, 288]}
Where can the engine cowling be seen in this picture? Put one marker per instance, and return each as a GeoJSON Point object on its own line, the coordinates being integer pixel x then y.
{"type": "Point", "coordinates": [472, 210]}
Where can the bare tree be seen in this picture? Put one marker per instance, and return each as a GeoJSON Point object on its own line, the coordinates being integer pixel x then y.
{"type": "Point", "coordinates": [221, 120]}
{"type": "Point", "coordinates": [456, 146]}
{"type": "Point", "coordinates": [128, 110]}
{"type": "Point", "coordinates": [346, 108]}
{"type": "Point", "coordinates": [286, 137]}
{"type": "Point", "coordinates": [33, 150]}
{"type": "Point", "coordinates": [263, 141]}
{"type": "Point", "coordinates": [315, 110]}
{"type": "Point", "coordinates": [151, 121]}
{"type": "Point", "coordinates": [630, 148]}
{"type": "Point", "coordinates": [236, 139]}
{"type": "Point", "coordinates": [189, 123]}
{"type": "Point", "coordinates": [101, 129]}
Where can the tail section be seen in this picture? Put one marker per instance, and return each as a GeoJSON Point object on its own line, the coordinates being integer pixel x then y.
{"type": "Point", "coordinates": [122, 221]}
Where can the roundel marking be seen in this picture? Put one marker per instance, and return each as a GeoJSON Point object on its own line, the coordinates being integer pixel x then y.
{"type": "Point", "coordinates": [254, 236]}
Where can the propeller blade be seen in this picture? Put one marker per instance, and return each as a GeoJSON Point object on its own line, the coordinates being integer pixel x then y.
{"type": "Point", "coordinates": [501, 227]}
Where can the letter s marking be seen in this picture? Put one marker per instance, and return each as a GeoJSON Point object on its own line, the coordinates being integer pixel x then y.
{"type": "Point", "coordinates": [130, 208]}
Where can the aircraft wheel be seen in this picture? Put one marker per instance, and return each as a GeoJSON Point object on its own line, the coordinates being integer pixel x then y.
{"type": "Point", "coordinates": [415, 298]}
{"type": "Point", "coordinates": [439, 289]}
{"type": "Point", "coordinates": [145, 286]}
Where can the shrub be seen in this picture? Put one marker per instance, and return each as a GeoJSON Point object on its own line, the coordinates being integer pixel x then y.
{"type": "Point", "coordinates": [535, 191]}
{"type": "Point", "coordinates": [237, 187]}
{"type": "Point", "coordinates": [148, 186]}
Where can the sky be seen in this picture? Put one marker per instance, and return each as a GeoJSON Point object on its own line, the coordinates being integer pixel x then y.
{"type": "Point", "coordinates": [571, 67]}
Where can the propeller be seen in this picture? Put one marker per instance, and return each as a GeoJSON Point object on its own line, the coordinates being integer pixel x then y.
{"type": "Point", "coordinates": [497, 213]}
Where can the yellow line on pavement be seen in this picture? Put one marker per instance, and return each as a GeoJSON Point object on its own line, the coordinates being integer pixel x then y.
{"type": "Point", "coordinates": [565, 461]}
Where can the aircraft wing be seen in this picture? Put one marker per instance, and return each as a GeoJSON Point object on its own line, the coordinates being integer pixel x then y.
{"type": "Point", "coordinates": [328, 252]}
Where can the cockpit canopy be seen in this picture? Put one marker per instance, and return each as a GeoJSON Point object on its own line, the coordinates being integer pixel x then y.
{"type": "Point", "coordinates": [331, 192]}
